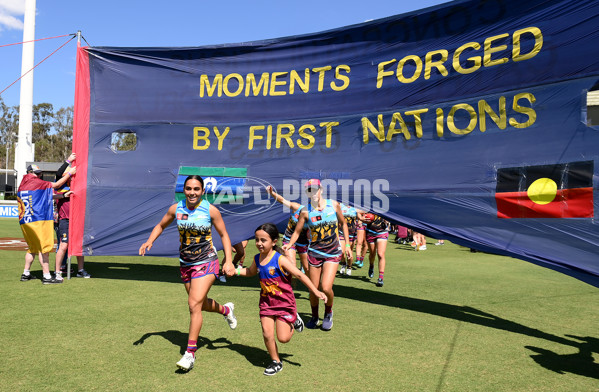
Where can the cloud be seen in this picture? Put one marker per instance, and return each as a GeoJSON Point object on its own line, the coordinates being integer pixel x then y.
{"type": "Point", "coordinates": [10, 10]}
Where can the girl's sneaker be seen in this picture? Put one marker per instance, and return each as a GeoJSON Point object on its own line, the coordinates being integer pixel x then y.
{"type": "Point", "coordinates": [273, 368]}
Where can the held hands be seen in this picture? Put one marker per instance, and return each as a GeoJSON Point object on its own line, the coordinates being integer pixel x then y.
{"type": "Point", "coordinates": [321, 295]}
{"type": "Point", "coordinates": [229, 269]}
{"type": "Point", "coordinates": [348, 253]}
{"type": "Point", "coordinates": [145, 247]}
{"type": "Point", "coordinates": [286, 247]}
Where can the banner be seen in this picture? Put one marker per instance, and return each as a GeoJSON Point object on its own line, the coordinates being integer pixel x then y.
{"type": "Point", "coordinates": [435, 119]}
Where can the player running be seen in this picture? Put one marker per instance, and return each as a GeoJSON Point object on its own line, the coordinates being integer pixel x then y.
{"type": "Point", "coordinates": [278, 310]}
{"type": "Point", "coordinates": [323, 217]}
{"type": "Point", "coordinates": [198, 258]}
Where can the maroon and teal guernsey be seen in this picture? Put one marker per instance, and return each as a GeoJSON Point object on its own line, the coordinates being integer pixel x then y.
{"type": "Point", "coordinates": [351, 217]}
{"type": "Point", "coordinates": [324, 233]}
{"type": "Point", "coordinates": [195, 234]}
{"type": "Point", "coordinates": [377, 226]}
{"type": "Point", "coordinates": [276, 297]}
{"type": "Point", "coordinates": [302, 240]}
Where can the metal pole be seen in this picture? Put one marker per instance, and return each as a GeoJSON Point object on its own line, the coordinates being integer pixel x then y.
{"type": "Point", "coordinates": [24, 149]}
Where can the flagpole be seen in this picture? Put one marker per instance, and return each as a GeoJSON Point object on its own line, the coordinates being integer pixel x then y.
{"type": "Point", "coordinates": [24, 151]}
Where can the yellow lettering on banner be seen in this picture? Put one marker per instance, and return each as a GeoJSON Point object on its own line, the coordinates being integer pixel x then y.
{"type": "Point", "coordinates": [239, 79]}
{"type": "Point", "coordinates": [221, 137]}
{"type": "Point", "coordinates": [253, 135]}
{"type": "Point", "coordinates": [343, 78]}
{"type": "Point", "coordinates": [417, 61]}
{"type": "Point", "coordinates": [381, 73]}
{"type": "Point", "coordinates": [268, 137]}
{"type": "Point", "coordinates": [303, 84]}
{"type": "Point", "coordinates": [274, 83]}
{"type": "Point", "coordinates": [417, 120]}
{"type": "Point", "coordinates": [471, 125]}
{"type": "Point", "coordinates": [440, 120]}
{"type": "Point", "coordinates": [329, 131]}
{"type": "Point", "coordinates": [310, 138]}
{"type": "Point", "coordinates": [529, 111]}
{"type": "Point", "coordinates": [197, 137]}
{"type": "Point", "coordinates": [489, 50]}
{"type": "Point", "coordinates": [393, 131]}
{"type": "Point", "coordinates": [286, 136]}
{"type": "Point", "coordinates": [321, 71]}
{"type": "Point", "coordinates": [250, 84]}
{"type": "Point", "coordinates": [429, 63]}
{"type": "Point", "coordinates": [484, 108]}
{"type": "Point", "coordinates": [210, 88]}
{"type": "Point", "coordinates": [536, 32]}
{"type": "Point", "coordinates": [367, 126]}
{"type": "Point", "coordinates": [476, 60]}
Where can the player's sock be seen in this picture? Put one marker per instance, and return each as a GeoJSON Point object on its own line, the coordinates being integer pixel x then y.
{"type": "Point", "coordinates": [328, 309]}
{"type": "Point", "coordinates": [381, 275]}
{"type": "Point", "coordinates": [225, 310]}
{"type": "Point", "coordinates": [315, 311]}
{"type": "Point", "coordinates": [26, 272]}
{"type": "Point", "coordinates": [192, 346]}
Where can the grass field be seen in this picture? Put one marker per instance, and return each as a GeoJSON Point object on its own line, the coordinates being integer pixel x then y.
{"type": "Point", "coordinates": [446, 320]}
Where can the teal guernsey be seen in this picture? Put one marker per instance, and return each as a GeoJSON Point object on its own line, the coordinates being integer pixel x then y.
{"type": "Point", "coordinates": [195, 234]}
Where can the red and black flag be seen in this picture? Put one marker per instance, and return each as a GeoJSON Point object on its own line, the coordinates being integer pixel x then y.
{"type": "Point", "coordinates": [548, 191]}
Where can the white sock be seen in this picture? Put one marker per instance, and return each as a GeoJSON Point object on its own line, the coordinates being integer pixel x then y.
{"type": "Point", "coordinates": [47, 276]}
{"type": "Point", "coordinates": [26, 272]}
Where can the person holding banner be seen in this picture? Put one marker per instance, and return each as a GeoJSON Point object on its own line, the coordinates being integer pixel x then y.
{"type": "Point", "coordinates": [323, 217]}
{"type": "Point", "coordinates": [301, 245]}
{"type": "Point", "coordinates": [63, 206]}
{"type": "Point", "coordinates": [36, 217]}
{"type": "Point", "coordinates": [198, 258]}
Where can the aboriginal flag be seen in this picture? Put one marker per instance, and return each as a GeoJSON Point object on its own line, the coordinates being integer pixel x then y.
{"type": "Point", "coordinates": [548, 191]}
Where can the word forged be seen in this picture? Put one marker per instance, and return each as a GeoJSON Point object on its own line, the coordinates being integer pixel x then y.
{"type": "Point", "coordinates": [408, 69]}
{"type": "Point", "coordinates": [284, 135]}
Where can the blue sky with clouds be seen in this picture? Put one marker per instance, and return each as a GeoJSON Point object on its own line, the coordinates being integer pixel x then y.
{"type": "Point", "coordinates": [174, 23]}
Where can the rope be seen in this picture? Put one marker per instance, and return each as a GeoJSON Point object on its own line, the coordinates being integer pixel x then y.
{"type": "Point", "coordinates": [39, 39]}
{"type": "Point", "coordinates": [35, 66]}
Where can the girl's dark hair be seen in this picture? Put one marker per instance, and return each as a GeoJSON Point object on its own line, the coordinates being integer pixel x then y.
{"type": "Point", "coordinates": [194, 177]}
{"type": "Point", "coordinates": [273, 233]}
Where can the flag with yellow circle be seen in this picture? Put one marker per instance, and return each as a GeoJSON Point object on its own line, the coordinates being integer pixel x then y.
{"type": "Point", "coordinates": [546, 191]}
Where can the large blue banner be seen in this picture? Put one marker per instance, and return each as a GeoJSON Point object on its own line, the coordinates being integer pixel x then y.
{"type": "Point", "coordinates": [466, 121]}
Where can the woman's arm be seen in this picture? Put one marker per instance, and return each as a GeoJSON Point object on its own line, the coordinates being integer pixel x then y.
{"type": "Point", "coordinates": [219, 225]}
{"type": "Point", "coordinates": [289, 204]}
{"type": "Point", "coordinates": [166, 220]}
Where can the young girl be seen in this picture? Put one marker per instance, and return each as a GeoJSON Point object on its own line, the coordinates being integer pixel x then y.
{"type": "Point", "coordinates": [277, 302]}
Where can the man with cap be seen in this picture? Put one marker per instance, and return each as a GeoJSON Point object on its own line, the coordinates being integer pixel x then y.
{"type": "Point", "coordinates": [36, 218]}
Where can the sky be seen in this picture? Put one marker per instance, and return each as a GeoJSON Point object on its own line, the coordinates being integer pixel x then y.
{"type": "Point", "coordinates": [156, 23]}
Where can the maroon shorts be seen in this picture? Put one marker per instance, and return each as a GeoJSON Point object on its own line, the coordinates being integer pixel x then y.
{"type": "Point", "coordinates": [300, 249]}
{"type": "Point", "coordinates": [198, 271]}
{"type": "Point", "coordinates": [372, 238]}
{"type": "Point", "coordinates": [314, 262]}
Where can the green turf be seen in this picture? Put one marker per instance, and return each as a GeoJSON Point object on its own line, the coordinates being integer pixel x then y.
{"type": "Point", "coordinates": [446, 320]}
